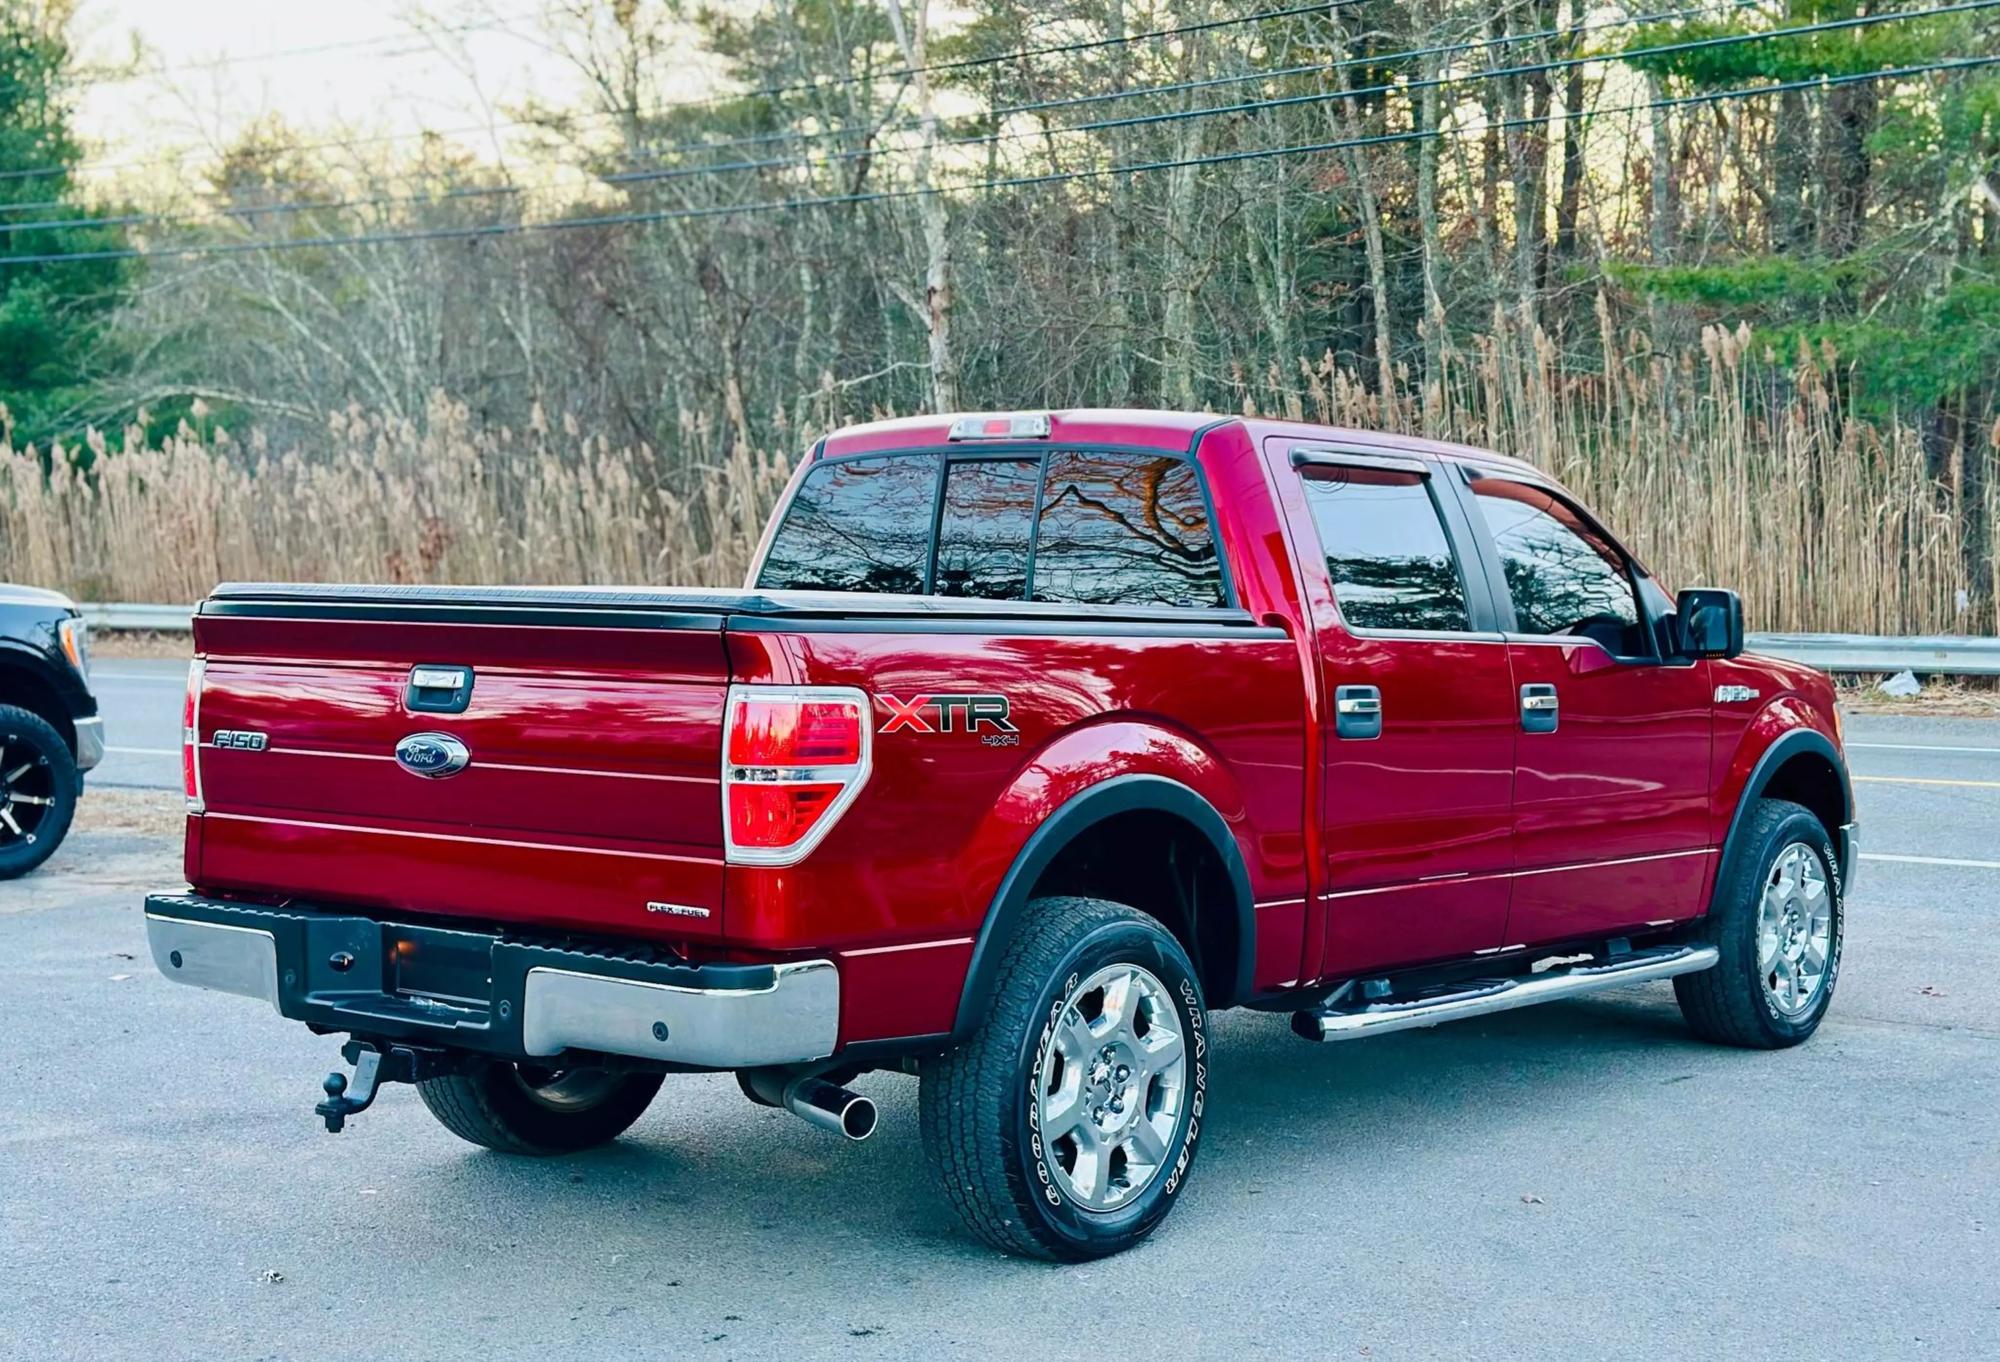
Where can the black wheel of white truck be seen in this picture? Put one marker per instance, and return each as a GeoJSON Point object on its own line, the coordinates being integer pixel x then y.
{"type": "Point", "coordinates": [1778, 919]}
{"type": "Point", "coordinates": [38, 790]}
{"type": "Point", "coordinates": [1065, 1126]}
{"type": "Point", "coordinates": [530, 1109]}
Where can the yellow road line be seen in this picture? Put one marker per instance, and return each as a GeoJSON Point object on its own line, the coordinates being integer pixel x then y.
{"type": "Point", "coordinates": [1925, 780]}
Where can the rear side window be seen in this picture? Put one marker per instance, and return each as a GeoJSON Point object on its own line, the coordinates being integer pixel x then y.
{"type": "Point", "coordinates": [986, 529]}
{"type": "Point", "coordinates": [1120, 529]}
{"type": "Point", "coordinates": [857, 525]}
{"type": "Point", "coordinates": [1386, 550]}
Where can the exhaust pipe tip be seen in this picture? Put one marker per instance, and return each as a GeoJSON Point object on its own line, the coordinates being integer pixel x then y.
{"type": "Point", "coordinates": [831, 1108]}
{"type": "Point", "coordinates": [857, 1122]}
{"type": "Point", "coordinates": [814, 1101]}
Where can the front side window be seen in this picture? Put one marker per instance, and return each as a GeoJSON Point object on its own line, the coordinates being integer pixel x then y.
{"type": "Point", "coordinates": [857, 525]}
{"type": "Point", "coordinates": [1124, 529]}
{"type": "Point", "coordinates": [1386, 550]}
{"type": "Point", "coordinates": [1563, 576]}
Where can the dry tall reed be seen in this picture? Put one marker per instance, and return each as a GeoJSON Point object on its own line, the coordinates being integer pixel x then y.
{"type": "Point", "coordinates": [1715, 468]}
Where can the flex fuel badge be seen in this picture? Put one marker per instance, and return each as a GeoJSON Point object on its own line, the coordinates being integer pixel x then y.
{"type": "Point", "coordinates": [989, 717]}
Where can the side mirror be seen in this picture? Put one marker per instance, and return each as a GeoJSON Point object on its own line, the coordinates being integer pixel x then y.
{"type": "Point", "coordinates": [1708, 622]}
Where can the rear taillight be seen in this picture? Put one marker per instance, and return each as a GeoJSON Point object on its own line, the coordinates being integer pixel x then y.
{"type": "Point", "coordinates": [191, 738]}
{"type": "Point", "coordinates": [793, 759]}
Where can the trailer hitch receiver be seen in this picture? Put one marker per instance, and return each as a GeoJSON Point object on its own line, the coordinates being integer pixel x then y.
{"type": "Point", "coordinates": [374, 1065]}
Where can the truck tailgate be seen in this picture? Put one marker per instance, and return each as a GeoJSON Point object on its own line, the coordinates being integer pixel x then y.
{"type": "Point", "coordinates": [590, 795]}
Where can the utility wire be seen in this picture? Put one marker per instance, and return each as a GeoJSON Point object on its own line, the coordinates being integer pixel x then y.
{"type": "Point", "coordinates": [1316, 97]}
{"type": "Point", "coordinates": [776, 91]}
{"type": "Point", "coordinates": [314, 50]}
{"type": "Point", "coordinates": [1012, 182]}
{"type": "Point", "coordinates": [657, 172]}
{"type": "Point", "coordinates": [1320, 96]}
{"type": "Point", "coordinates": [1211, 82]}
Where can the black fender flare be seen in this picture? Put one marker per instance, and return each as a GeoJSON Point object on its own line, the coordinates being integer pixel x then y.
{"type": "Point", "coordinates": [1793, 743]}
{"type": "Point", "coordinates": [1120, 794]}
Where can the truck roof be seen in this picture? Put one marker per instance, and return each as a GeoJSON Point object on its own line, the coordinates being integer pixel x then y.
{"type": "Point", "coordinates": [1148, 429]}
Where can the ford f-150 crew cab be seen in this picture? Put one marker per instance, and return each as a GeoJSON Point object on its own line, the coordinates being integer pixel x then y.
{"type": "Point", "coordinates": [1031, 740]}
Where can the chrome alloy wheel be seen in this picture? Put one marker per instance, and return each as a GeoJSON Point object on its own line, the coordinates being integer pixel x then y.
{"type": "Point", "coordinates": [1794, 930]}
{"type": "Point", "coordinates": [27, 792]}
{"type": "Point", "coordinates": [1113, 1080]}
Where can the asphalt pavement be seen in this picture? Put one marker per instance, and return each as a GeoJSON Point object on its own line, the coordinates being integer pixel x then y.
{"type": "Point", "coordinates": [1580, 1180]}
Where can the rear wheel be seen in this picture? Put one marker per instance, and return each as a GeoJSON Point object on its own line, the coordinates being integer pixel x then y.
{"type": "Point", "coordinates": [39, 786]}
{"type": "Point", "coordinates": [1778, 920]}
{"type": "Point", "coordinates": [1065, 1126]}
{"type": "Point", "coordinates": [529, 1109]}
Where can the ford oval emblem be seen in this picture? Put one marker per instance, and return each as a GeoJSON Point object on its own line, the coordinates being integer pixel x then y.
{"type": "Point", "coordinates": [436, 755]}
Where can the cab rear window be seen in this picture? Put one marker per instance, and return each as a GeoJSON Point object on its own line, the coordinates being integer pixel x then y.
{"type": "Point", "coordinates": [1071, 526]}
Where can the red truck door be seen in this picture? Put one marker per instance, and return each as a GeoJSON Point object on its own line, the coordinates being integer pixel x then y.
{"type": "Point", "coordinates": [1611, 784]}
{"type": "Point", "coordinates": [1418, 755]}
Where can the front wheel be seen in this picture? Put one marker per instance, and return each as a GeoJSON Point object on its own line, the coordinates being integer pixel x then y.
{"type": "Point", "coordinates": [39, 786]}
{"type": "Point", "coordinates": [1778, 920]}
{"type": "Point", "coordinates": [528, 1109]}
{"type": "Point", "coordinates": [1065, 1126]}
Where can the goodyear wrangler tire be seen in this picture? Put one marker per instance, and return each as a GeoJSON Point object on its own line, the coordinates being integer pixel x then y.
{"type": "Point", "coordinates": [1065, 1127]}
{"type": "Point", "coordinates": [1778, 919]}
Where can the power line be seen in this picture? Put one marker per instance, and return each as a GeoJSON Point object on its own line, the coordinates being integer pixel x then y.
{"type": "Point", "coordinates": [1210, 82]}
{"type": "Point", "coordinates": [312, 205]}
{"type": "Point", "coordinates": [1323, 96]}
{"type": "Point", "coordinates": [774, 91]}
{"type": "Point", "coordinates": [314, 50]}
{"type": "Point", "coordinates": [486, 230]}
{"type": "Point", "coordinates": [1326, 96]}
{"type": "Point", "coordinates": [256, 210]}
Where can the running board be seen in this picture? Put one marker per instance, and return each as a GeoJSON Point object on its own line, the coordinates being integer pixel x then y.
{"type": "Point", "coordinates": [1500, 995]}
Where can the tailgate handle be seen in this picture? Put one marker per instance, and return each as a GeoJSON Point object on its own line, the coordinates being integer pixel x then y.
{"type": "Point", "coordinates": [438, 688]}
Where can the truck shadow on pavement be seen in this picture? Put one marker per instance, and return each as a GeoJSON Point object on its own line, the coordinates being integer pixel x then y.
{"type": "Point", "coordinates": [728, 1170]}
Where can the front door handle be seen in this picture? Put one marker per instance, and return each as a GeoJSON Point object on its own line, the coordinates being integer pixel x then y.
{"type": "Point", "coordinates": [1539, 708]}
{"type": "Point", "coordinates": [1357, 711]}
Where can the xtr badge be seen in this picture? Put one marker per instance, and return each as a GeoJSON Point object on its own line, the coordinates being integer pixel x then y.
{"type": "Point", "coordinates": [949, 713]}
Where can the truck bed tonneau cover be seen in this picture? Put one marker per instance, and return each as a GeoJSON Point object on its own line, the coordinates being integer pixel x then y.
{"type": "Point", "coordinates": [672, 607]}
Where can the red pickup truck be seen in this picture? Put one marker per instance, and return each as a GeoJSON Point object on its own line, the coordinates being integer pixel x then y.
{"type": "Point", "coordinates": [1032, 740]}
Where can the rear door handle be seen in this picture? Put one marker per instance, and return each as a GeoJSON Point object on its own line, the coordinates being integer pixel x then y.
{"type": "Point", "coordinates": [1539, 708]}
{"type": "Point", "coordinates": [1357, 711]}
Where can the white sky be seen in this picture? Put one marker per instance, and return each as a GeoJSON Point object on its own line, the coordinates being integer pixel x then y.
{"type": "Point", "coordinates": [381, 76]}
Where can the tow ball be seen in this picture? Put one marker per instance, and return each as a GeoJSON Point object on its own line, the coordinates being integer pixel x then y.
{"type": "Point", "coordinates": [374, 1065]}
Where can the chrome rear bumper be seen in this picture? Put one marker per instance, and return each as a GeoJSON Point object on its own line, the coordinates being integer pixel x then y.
{"type": "Point", "coordinates": [405, 982]}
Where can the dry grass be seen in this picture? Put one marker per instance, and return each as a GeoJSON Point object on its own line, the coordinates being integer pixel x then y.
{"type": "Point", "coordinates": [1714, 469]}
{"type": "Point", "coordinates": [1712, 472]}
{"type": "Point", "coordinates": [380, 501]}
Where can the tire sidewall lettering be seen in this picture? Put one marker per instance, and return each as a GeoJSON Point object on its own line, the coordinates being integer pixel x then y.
{"type": "Point", "coordinates": [1151, 1204]}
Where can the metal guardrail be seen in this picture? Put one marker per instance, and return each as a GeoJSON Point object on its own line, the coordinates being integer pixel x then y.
{"type": "Point", "coordinates": [165, 619]}
{"type": "Point", "coordinates": [1937, 655]}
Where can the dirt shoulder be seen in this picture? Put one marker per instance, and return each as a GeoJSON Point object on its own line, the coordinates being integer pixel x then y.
{"type": "Point", "coordinates": [122, 839]}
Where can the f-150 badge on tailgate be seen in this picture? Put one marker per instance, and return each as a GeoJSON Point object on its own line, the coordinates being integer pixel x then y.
{"type": "Point", "coordinates": [435, 755]}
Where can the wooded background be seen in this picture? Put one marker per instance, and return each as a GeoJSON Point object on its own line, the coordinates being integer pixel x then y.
{"type": "Point", "coordinates": [1732, 270]}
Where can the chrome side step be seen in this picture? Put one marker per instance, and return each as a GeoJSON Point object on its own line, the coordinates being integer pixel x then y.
{"type": "Point", "coordinates": [1500, 995]}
